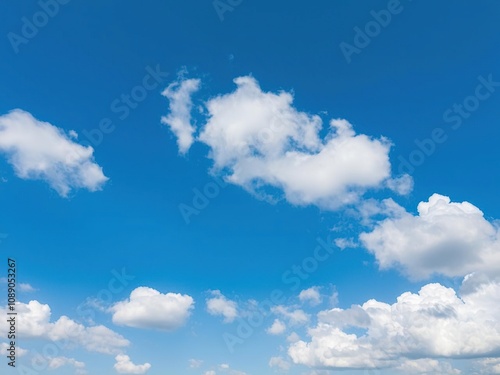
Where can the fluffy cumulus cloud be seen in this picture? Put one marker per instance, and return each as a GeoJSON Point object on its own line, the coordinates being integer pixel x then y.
{"type": "Point", "coordinates": [277, 328]}
{"type": "Point", "coordinates": [124, 365]}
{"type": "Point", "coordinates": [260, 141]}
{"type": "Point", "coordinates": [34, 322]}
{"type": "Point", "coordinates": [445, 237]}
{"type": "Point", "coordinates": [434, 323]}
{"type": "Point", "coordinates": [218, 304]}
{"type": "Point", "coordinates": [311, 295]}
{"type": "Point", "coordinates": [40, 151]}
{"type": "Point", "coordinates": [179, 119]}
{"type": "Point", "coordinates": [150, 309]}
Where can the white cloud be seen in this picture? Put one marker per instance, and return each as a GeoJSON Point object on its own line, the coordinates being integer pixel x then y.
{"type": "Point", "coordinates": [56, 362]}
{"type": "Point", "coordinates": [4, 350]}
{"type": "Point", "coordinates": [179, 119]}
{"type": "Point", "coordinates": [489, 366]}
{"type": "Point", "coordinates": [334, 298]}
{"type": "Point", "coordinates": [195, 363]}
{"type": "Point", "coordinates": [148, 308]}
{"type": "Point", "coordinates": [427, 366]}
{"type": "Point", "coordinates": [277, 328]}
{"type": "Point", "coordinates": [293, 337]}
{"type": "Point", "coordinates": [311, 295]}
{"type": "Point", "coordinates": [40, 151]}
{"type": "Point", "coordinates": [210, 372]}
{"type": "Point", "coordinates": [25, 287]}
{"type": "Point", "coordinates": [433, 323]}
{"type": "Point", "coordinates": [124, 365]}
{"type": "Point", "coordinates": [345, 243]}
{"type": "Point", "coordinates": [220, 305]}
{"type": "Point", "coordinates": [22, 287]}
{"type": "Point", "coordinates": [294, 316]}
{"type": "Point", "coordinates": [225, 368]}
{"type": "Point", "coordinates": [447, 238]}
{"type": "Point", "coordinates": [401, 185]}
{"type": "Point", "coordinates": [259, 140]}
{"type": "Point", "coordinates": [34, 322]}
{"type": "Point", "coordinates": [280, 363]}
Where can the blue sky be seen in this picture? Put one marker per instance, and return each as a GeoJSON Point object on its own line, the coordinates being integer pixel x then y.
{"type": "Point", "coordinates": [355, 141]}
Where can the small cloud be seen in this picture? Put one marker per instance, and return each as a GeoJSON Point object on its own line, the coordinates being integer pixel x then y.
{"type": "Point", "coordinates": [225, 368]}
{"type": "Point", "coordinates": [124, 365]}
{"type": "Point", "coordinates": [25, 287]}
{"type": "Point", "coordinates": [345, 243]}
{"type": "Point", "coordinates": [277, 328]}
{"type": "Point", "coordinates": [4, 350]}
{"type": "Point", "coordinates": [150, 309]}
{"type": "Point", "coordinates": [311, 295]}
{"type": "Point", "coordinates": [401, 185]}
{"type": "Point", "coordinates": [279, 363]}
{"type": "Point", "coordinates": [195, 363]}
{"type": "Point", "coordinates": [334, 298]}
{"type": "Point", "coordinates": [220, 305]}
{"type": "Point", "coordinates": [56, 362]}
{"type": "Point", "coordinates": [293, 337]}
{"type": "Point", "coordinates": [294, 316]}
{"type": "Point", "coordinates": [178, 120]}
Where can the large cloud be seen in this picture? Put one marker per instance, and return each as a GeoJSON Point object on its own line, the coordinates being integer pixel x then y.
{"type": "Point", "coordinates": [148, 308]}
{"type": "Point", "coordinates": [434, 323]}
{"type": "Point", "coordinates": [38, 150]}
{"type": "Point", "coordinates": [33, 321]}
{"type": "Point", "coordinates": [447, 238]}
{"type": "Point", "coordinates": [259, 141]}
